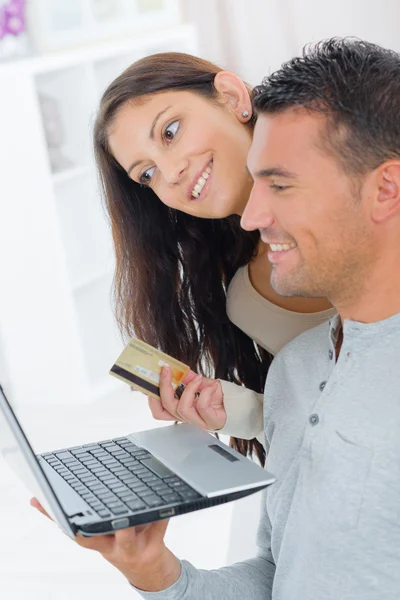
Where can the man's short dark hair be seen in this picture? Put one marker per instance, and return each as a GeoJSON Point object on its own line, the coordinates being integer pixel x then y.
{"type": "Point", "coordinates": [356, 84]}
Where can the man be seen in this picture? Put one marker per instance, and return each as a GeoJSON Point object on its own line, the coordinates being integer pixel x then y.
{"type": "Point", "coordinates": [326, 167]}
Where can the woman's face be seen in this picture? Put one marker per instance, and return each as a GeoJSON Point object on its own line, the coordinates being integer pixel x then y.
{"type": "Point", "coordinates": [191, 151]}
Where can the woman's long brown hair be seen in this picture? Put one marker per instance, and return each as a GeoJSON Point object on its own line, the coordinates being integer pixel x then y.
{"type": "Point", "coordinates": [173, 269]}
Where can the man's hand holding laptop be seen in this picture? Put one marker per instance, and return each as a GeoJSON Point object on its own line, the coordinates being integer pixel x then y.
{"type": "Point", "coordinates": [138, 552]}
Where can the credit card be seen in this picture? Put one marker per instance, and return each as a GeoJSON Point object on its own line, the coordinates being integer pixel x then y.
{"type": "Point", "coordinates": [139, 365]}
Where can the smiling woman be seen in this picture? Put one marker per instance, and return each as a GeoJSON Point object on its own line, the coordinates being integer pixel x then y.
{"type": "Point", "coordinates": [171, 141]}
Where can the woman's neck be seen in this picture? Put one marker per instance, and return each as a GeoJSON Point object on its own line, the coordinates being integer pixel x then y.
{"type": "Point", "coordinates": [260, 273]}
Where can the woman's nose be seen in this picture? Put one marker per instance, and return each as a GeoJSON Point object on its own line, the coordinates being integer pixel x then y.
{"type": "Point", "coordinates": [174, 171]}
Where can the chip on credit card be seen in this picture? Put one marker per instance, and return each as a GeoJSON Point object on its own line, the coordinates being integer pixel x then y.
{"type": "Point", "coordinates": [139, 365]}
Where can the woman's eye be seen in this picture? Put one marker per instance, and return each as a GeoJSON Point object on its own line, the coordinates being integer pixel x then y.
{"type": "Point", "coordinates": [171, 131]}
{"type": "Point", "coordinates": [146, 177]}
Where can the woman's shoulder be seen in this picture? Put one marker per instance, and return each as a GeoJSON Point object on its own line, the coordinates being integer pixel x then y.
{"type": "Point", "coordinates": [271, 326]}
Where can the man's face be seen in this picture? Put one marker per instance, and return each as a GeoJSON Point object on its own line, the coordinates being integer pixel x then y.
{"type": "Point", "coordinates": [309, 212]}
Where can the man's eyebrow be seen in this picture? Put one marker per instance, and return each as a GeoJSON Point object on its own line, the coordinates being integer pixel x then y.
{"type": "Point", "coordinates": [274, 172]}
{"type": "Point", "coordinates": [151, 135]}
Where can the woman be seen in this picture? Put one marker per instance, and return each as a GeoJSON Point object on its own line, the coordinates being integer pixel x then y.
{"type": "Point", "coordinates": [171, 141]}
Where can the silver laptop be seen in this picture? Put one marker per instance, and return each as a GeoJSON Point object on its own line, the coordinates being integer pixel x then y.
{"type": "Point", "coordinates": [97, 488]}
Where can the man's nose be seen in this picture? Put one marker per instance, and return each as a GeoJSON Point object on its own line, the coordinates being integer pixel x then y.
{"type": "Point", "coordinates": [257, 213]}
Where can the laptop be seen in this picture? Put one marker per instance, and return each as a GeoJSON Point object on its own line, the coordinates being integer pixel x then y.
{"type": "Point", "coordinates": [100, 487]}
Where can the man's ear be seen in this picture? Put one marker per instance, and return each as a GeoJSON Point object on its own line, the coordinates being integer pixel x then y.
{"type": "Point", "coordinates": [386, 202]}
{"type": "Point", "coordinates": [233, 92]}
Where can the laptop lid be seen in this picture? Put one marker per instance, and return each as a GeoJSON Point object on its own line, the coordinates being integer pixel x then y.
{"type": "Point", "coordinates": [18, 453]}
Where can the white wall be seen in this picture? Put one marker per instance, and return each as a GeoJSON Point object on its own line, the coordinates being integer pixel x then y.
{"type": "Point", "coordinates": [255, 37]}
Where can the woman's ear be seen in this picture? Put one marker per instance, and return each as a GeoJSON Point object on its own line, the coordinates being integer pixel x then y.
{"type": "Point", "coordinates": [233, 92]}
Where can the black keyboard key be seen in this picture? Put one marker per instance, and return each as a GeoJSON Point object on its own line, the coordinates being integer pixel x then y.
{"type": "Point", "coordinates": [62, 455]}
{"type": "Point", "coordinates": [137, 487]}
{"type": "Point", "coordinates": [135, 504]}
{"type": "Point", "coordinates": [128, 479]}
{"type": "Point", "coordinates": [104, 494]}
{"type": "Point", "coordinates": [142, 454]}
{"type": "Point", "coordinates": [144, 493]}
{"type": "Point", "coordinates": [158, 487]}
{"type": "Point", "coordinates": [150, 479]}
{"type": "Point", "coordinates": [125, 496]}
{"type": "Point", "coordinates": [153, 500]}
{"type": "Point", "coordinates": [119, 488]}
{"type": "Point", "coordinates": [96, 505]}
{"type": "Point", "coordinates": [113, 504]}
{"type": "Point", "coordinates": [143, 472]}
{"type": "Point", "coordinates": [189, 494]}
{"type": "Point", "coordinates": [88, 479]}
{"type": "Point", "coordinates": [171, 498]}
{"type": "Point", "coordinates": [129, 462]}
{"type": "Point", "coordinates": [177, 485]}
{"type": "Point", "coordinates": [127, 444]}
{"type": "Point", "coordinates": [90, 447]}
{"type": "Point", "coordinates": [121, 454]}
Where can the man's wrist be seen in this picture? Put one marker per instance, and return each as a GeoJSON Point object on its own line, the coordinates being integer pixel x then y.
{"type": "Point", "coordinates": [160, 575]}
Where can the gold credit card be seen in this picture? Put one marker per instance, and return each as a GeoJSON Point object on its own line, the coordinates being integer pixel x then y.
{"type": "Point", "coordinates": [139, 365]}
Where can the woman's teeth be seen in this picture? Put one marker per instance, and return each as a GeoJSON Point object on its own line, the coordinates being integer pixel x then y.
{"type": "Point", "coordinates": [201, 182]}
{"type": "Point", "coordinates": [281, 247]}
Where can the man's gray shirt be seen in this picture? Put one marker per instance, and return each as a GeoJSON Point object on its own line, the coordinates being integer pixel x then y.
{"type": "Point", "coordinates": [330, 526]}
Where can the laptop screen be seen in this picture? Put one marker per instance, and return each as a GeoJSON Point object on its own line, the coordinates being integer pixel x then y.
{"type": "Point", "coordinates": [18, 453]}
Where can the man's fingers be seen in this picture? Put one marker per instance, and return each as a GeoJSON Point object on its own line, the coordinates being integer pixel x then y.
{"type": "Point", "coordinates": [104, 544]}
{"type": "Point", "coordinates": [36, 504]}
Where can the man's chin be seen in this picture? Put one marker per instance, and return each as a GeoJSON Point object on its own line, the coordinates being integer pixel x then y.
{"type": "Point", "coordinates": [289, 289]}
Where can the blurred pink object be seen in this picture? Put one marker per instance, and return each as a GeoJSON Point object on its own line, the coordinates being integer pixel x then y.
{"type": "Point", "coordinates": [12, 18]}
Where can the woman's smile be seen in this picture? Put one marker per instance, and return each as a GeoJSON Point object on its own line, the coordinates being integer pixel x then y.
{"type": "Point", "coordinates": [201, 183]}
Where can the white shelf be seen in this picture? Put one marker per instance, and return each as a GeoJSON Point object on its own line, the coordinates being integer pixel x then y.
{"type": "Point", "coordinates": [59, 337]}
{"type": "Point", "coordinates": [69, 174]}
{"type": "Point", "coordinates": [173, 37]}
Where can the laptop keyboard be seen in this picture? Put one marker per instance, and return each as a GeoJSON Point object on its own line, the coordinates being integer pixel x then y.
{"type": "Point", "coordinates": [115, 477]}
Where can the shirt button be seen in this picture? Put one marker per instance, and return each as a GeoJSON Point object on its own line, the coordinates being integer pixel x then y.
{"type": "Point", "coordinates": [313, 420]}
{"type": "Point", "coordinates": [322, 385]}
{"type": "Point", "coordinates": [330, 354]}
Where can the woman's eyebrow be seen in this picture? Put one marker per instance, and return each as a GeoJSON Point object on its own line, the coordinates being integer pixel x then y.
{"type": "Point", "coordinates": [153, 125]}
{"type": "Point", "coordinates": [151, 135]}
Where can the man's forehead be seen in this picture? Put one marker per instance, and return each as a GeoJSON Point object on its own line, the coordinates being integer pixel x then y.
{"type": "Point", "coordinates": [288, 133]}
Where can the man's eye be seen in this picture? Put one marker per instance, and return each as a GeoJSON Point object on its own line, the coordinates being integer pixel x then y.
{"type": "Point", "coordinates": [278, 188]}
{"type": "Point", "coordinates": [146, 177]}
{"type": "Point", "coordinates": [171, 131]}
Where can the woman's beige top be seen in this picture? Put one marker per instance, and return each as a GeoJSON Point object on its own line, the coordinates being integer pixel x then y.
{"type": "Point", "coordinates": [271, 327]}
